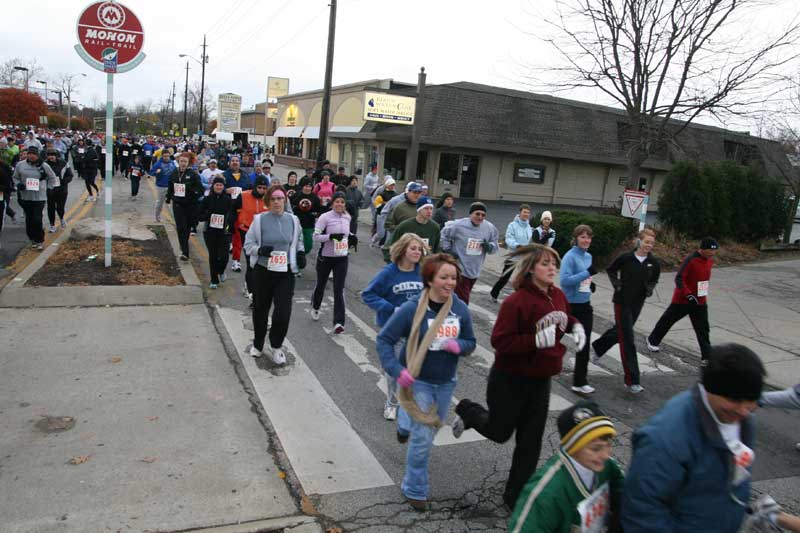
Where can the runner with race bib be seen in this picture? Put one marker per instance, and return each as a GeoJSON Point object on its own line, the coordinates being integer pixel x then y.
{"type": "Point", "coordinates": [216, 210]}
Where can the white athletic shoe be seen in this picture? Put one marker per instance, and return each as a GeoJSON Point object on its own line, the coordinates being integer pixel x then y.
{"type": "Point", "coordinates": [636, 389]}
{"type": "Point", "coordinates": [39, 246]}
{"type": "Point", "coordinates": [458, 427]}
{"type": "Point", "coordinates": [212, 286]}
{"type": "Point", "coordinates": [278, 357]}
{"type": "Point", "coordinates": [236, 266]}
{"type": "Point", "coordinates": [390, 412]}
{"type": "Point", "coordinates": [315, 314]}
{"type": "Point", "coordinates": [52, 229]}
{"type": "Point", "coordinates": [338, 328]}
{"type": "Point", "coordinates": [63, 224]}
{"type": "Point", "coordinates": [255, 352]}
{"type": "Point", "coordinates": [652, 347]}
{"type": "Point", "coordinates": [223, 277]}
{"type": "Point", "coordinates": [586, 389]}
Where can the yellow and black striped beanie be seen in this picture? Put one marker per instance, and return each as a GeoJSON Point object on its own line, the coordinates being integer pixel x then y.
{"type": "Point", "coordinates": [581, 424]}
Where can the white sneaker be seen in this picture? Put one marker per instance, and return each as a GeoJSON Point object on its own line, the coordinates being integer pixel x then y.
{"type": "Point", "coordinates": [652, 347]}
{"type": "Point", "coordinates": [236, 266]}
{"type": "Point", "coordinates": [390, 412]}
{"type": "Point", "coordinates": [52, 229]}
{"type": "Point", "coordinates": [338, 328]}
{"type": "Point", "coordinates": [586, 389]}
{"type": "Point", "coordinates": [223, 277]}
{"type": "Point", "coordinates": [315, 314]}
{"type": "Point", "coordinates": [594, 359]}
{"type": "Point", "coordinates": [212, 286]}
{"type": "Point", "coordinates": [278, 357]}
{"type": "Point", "coordinates": [63, 224]}
{"type": "Point", "coordinates": [255, 352]}
{"type": "Point", "coordinates": [636, 389]}
{"type": "Point", "coordinates": [458, 427]}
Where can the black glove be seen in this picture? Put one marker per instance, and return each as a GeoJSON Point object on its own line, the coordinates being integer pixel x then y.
{"type": "Point", "coordinates": [592, 287]}
{"type": "Point", "coordinates": [693, 299]}
{"type": "Point", "coordinates": [20, 187]}
{"type": "Point", "coordinates": [168, 201]}
{"type": "Point", "coordinates": [352, 241]}
{"type": "Point", "coordinates": [301, 260]}
{"type": "Point", "coordinates": [648, 292]}
{"type": "Point", "coordinates": [336, 236]}
{"type": "Point", "coordinates": [487, 246]}
{"type": "Point", "coordinates": [264, 251]}
{"type": "Point", "coordinates": [592, 270]}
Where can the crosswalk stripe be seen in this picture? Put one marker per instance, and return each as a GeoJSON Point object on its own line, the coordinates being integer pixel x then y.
{"type": "Point", "coordinates": [325, 451]}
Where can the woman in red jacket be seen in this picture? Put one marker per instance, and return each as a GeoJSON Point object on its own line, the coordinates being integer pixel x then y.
{"type": "Point", "coordinates": [526, 338]}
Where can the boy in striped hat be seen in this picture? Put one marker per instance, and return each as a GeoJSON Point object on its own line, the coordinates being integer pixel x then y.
{"type": "Point", "coordinates": [580, 487]}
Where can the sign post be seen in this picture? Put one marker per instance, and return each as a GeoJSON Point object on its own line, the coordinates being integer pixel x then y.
{"type": "Point", "coordinates": [110, 39]}
{"type": "Point", "coordinates": [634, 205]}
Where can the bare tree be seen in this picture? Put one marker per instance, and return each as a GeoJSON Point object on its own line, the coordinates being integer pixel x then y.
{"type": "Point", "coordinates": [68, 83]}
{"type": "Point", "coordinates": [8, 71]}
{"type": "Point", "coordinates": [666, 62]}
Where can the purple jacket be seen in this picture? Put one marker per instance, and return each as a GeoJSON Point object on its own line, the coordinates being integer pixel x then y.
{"type": "Point", "coordinates": [330, 223]}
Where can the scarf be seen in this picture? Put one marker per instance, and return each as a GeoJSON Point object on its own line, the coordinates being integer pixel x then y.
{"type": "Point", "coordinates": [415, 358]}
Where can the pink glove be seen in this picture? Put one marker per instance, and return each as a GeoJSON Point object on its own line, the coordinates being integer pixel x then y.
{"type": "Point", "coordinates": [405, 379]}
{"type": "Point", "coordinates": [452, 346]}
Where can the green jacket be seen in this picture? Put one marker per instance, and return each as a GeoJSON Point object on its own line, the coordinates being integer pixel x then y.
{"type": "Point", "coordinates": [428, 231]}
{"type": "Point", "coordinates": [549, 501]}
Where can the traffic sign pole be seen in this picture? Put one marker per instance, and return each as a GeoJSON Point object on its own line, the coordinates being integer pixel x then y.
{"type": "Point", "coordinates": [643, 215]}
{"type": "Point", "coordinates": [109, 162]}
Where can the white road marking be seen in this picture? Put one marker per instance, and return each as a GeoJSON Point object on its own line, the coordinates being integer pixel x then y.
{"type": "Point", "coordinates": [325, 451]}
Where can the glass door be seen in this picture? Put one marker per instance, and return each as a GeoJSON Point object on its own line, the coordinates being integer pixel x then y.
{"type": "Point", "coordinates": [469, 176]}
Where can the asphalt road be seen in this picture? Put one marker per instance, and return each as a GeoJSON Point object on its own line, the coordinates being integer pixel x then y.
{"type": "Point", "coordinates": [467, 476]}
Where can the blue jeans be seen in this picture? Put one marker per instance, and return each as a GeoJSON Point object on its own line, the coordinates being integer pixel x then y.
{"type": "Point", "coordinates": [415, 483]}
{"type": "Point", "coordinates": [403, 420]}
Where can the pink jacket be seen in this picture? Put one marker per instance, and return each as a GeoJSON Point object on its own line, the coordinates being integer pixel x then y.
{"type": "Point", "coordinates": [330, 223]}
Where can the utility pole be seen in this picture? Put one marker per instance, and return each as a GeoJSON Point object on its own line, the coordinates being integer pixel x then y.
{"type": "Point", "coordinates": [186, 96]}
{"type": "Point", "coordinates": [204, 59]}
{"type": "Point", "coordinates": [413, 153]}
{"type": "Point", "coordinates": [172, 105]}
{"type": "Point", "coordinates": [326, 97]}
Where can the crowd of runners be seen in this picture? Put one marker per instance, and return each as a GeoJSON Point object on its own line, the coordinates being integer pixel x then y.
{"type": "Point", "coordinates": [691, 463]}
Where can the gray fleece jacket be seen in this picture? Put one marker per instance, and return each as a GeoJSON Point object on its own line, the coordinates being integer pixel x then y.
{"type": "Point", "coordinates": [787, 398]}
{"type": "Point", "coordinates": [470, 244]}
{"type": "Point", "coordinates": [47, 180]}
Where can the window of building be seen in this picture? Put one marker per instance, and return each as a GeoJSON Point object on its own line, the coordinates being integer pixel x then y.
{"type": "Point", "coordinates": [422, 164]}
{"type": "Point", "coordinates": [394, 162]}
{"type": "Point", "coordinates": [525, 173]}
{"type": "Point", "coordinates": [290, 146]}
{"type": "Point", "coordinates": [313, 148]}
{"type": "Point", "coordinates": [448, 168]}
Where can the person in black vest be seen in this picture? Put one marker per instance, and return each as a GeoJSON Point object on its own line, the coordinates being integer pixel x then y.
{"type": "Point", "coordinates": [216, 210]}
{"type": "Point", "coordinates": [184, 188]}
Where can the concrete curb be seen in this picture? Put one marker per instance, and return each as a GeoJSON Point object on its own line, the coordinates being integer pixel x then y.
{"type": "Point", "coordinates": [288, 524]}
{"type": "Point", "coordinates": [15, 294]}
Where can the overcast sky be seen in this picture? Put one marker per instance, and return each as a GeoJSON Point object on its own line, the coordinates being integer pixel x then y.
{"type": "Point", "coordinates": [249, 40]}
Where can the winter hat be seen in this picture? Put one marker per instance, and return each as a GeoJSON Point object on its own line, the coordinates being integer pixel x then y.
{"type": "Point", "coordinates": [260, 180]}
{"type": "Point", "coordinates": [444, 197]}
{"type": "Point", "coordinates": [423, 202]}
{"type": "Point", "coordinates": [32, 150]}
{"type": "Point", "coordinates": [305, 181]}
{"type": "Point", "coordinates": [733, 371]}
{"type": "Point", "coordinates": [546, 214]}
{"type": "Point", "coordinates": [413, 186]}
{"type": "Point", "coordinates": [218, 179]}
{"type": "Point", "coordinates": [337, 195]}
{"type": "Point", "coordinates": [581, 424]}
{"type": "Point", "coordinates": [709, 243]}
{"type": "Point", "coordinates": [477, 206]}
{"type": "Point", "coordinates": [388, 181]}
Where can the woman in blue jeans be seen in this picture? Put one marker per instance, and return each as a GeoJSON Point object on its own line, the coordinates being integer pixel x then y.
{"type": "Point", "coordinates": [438, 330]}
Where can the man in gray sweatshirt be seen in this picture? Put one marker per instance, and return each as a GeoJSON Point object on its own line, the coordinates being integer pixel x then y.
{"type": "Point", "coordinates": [786, 399]}
{"type": "Point", "coordinates": [469, 240]}
{"type": "Point", "coordinates": [32, 178]}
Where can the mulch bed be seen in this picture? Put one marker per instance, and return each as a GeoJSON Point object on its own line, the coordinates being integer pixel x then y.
{"type": "Point", "coordinates": [133, 263]}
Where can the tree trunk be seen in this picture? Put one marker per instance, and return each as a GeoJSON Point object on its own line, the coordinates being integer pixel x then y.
{"type": "Point", "coordinates": [787, 233]}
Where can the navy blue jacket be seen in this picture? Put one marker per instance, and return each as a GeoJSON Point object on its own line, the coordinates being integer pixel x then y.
{"type": "Point", "coordinates": [681, 473]}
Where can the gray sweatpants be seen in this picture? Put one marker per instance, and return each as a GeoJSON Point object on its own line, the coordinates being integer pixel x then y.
{"type": "Point", "coordinates": [161, 196]}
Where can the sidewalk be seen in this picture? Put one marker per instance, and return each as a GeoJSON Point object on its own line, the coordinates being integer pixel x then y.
{"type": "Point", "coordinates": [131, 417]}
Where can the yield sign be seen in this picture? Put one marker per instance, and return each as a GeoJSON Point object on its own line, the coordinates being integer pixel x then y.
{"type": "Point", "coordinates": [632, 203]}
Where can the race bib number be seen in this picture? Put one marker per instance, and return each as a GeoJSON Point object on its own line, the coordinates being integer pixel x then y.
{"type": "Point", "coordinates": [278, 262]}
{"type": "Point", "coordinates": [180, 190]}
{"type": "Point", "coordinates": [31, 184]}
{"type": "Point", "coordinates": [136, 173]}
{"type": "Point", "coordinates": [124, 153]}
{"type": "Point", "coordinates": [135, 152]}
{"type": "Point", "coordinates": [81, 150]}
{"type": "Point", "coordinates": [594, 510]}
{"type": "Point", "coordinates": [325, 200]}
{"type": "Point", "coordinates": [743, 457]}
{"type": "Point", "coordinates": [235, 192]}
{"type": "Point", "coordinates": [474, 247]}
{"type": "Point", "coordinates": [147, 152]}
{"type": "Point", "coordinates": [586, 285]}
{"type": "Point", "coordinates": [702, 288]}
{"type": "Point", "coordinates": [217, 221]}
{"type": "Point", "coordinates": [102, 150]}
{"type": "Point", "coordinates": [449, 330]}
{"type": "Point", "coordinates": [340, 248]}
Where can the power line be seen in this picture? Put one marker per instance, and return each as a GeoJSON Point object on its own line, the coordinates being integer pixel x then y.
{"type": "Point", "coordinates": [227, 16]}
{"type": "Point", "coordinates": [253, 34]}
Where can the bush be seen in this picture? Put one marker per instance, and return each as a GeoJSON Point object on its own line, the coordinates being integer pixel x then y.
{"type": "Point", "coordinates": [610, 231]}
{"type": "Point", "coordinates": [20, 107]}
{"type": "Point", "coordinates": [56, 120]}
{"type": "Point", "coordinates": [722, 199]}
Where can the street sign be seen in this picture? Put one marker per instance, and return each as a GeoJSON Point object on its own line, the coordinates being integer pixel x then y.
{"type": "Point", "coordinates": [632, 202]}
{"type": "Point", "coordinates": [382, 107]}
{"type": "Point", "coordinates": [110, 37]}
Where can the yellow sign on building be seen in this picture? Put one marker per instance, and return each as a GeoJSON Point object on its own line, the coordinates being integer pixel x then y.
{"type": "Point", "coordinates": [382, 107]}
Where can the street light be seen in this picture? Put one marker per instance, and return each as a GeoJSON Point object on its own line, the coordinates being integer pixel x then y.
{"type": "Point", "coordinates": [27, 72]}
{"type": "Point", "coordinates": [202, 80]}
{"type": "Point", "coordinates": [45, 92]}
{"type": "Point", "coordinates": [68, 93]}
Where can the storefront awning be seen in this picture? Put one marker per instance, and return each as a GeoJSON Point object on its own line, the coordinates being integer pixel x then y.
{"type": "Point", "coordinates": [289, 131]}
{"type": "Point", "coordinates": [311, 132]}
{"type": "Point", "coordinates": [345, 129]}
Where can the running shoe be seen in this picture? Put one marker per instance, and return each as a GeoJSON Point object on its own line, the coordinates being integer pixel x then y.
{"type": "Point", "coordinates": [315, 314]}
{"type": "Point", "coordinates": [402, 438]}
{"type": "Point", "coordinates": [236, 266]}
{"type": "Point", "coordinates": [213, 286]}
{"type": "Point", "coordinates": [52, 229]}
{"type": "Point", "coordinates": [338, 328]}
{"type": "Point", "coordinates": [63, 224]}
{"type": "Point", "coordinates": [223, 277]}
{"type": "Point", "coordinates": [255, 352]}
{"type": "Point", "coordinates": [390, 412]}
{"type": "Point", "coordinates": [652, 347]}
{"type": "Point", "coordinates": [278, 357]}
{"type": "Point", "coordinates": [184, 257]}
{"type": "Point", "coordinates": [636, 389]}
{"type": "Point", "coordinates": [458, 427]}
{"type": "Point", "coordinates": [586, 389]}
{"type": "Point", "coordinates": [39, 246]}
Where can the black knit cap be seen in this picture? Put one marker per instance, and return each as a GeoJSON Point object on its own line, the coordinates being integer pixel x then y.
{"type": "Point", "coordinates": [733, 371]}
{"type": "Point", "coordinates": [477, 206]}
{"type": "Point", "coordinates": [305, 180]}
{"type": "Point", "coordinates": [32, 150]}
{"type": "Point", "coordinates": [338, 194]}
{"type": "Point", "coordinates": [260, 180]}
{"type": "Point", "coordinates": [218, 179]}
{"type": "Point", "coordinates": [709, 243]}
{"type": "Point", "coordinates": [581, 424]}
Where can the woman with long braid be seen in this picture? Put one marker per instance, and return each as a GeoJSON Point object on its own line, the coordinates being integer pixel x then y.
{"type": "Point", "coordinates": [438, 329]}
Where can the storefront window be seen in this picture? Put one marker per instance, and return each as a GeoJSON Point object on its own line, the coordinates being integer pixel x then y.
{"type": "Point", "coordinates": [448, 169]}
{"type": "Point", "coordinates": [313, 148]}
{"type": "Point", "coordinates": [360, 155]}
{"type": "Point", "coordinates": [290, 146]}
{"type": "Point", "coordinates": [525, 173]}
{"type": "Point", "coordinates": [395, 162]}
{"type": "Point", "coordinates": [422, 165]}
